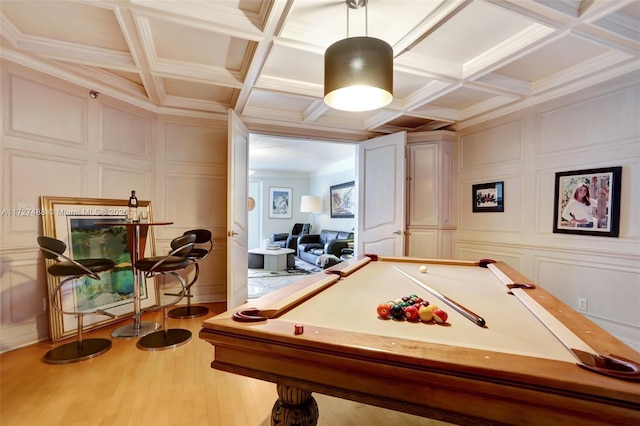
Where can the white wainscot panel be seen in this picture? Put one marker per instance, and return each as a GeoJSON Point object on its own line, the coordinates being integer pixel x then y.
{"type": "Point", "coordinates": [43, 113]}
{"type": "Point", "coordinates": [196, 200]}
{"type": "Point", "coordinates": [422, 243]}
{"type": "Point", "coordinates": [117, 183]}
{"type": "Point", "coordinates": [589, 124]}
{"type": "Point", "coordinates": [196, 144]}
{"type": "Point", "coordinates": [32, 175]}
{"type": "Point", "coordinates": [212, 281]}
{"type": "Point", "coordinates": [24, 300]}
{"type": "Point", "coordinates": [125, 133]}
{"type": "Point", "coordinates": [509, 221]}
{"type": "Point", "coordinates": [611, 291]}
{"type": "Point", "coordinates": [498, 145]}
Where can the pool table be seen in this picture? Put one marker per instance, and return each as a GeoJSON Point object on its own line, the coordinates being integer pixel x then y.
{"type": "Point", "coordinates": [323, 334]}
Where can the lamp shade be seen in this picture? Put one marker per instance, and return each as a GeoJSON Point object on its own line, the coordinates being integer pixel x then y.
{"type": "Point", "coordinates": [310, 204]}
{"type": "Point", "coordinates": [358, 74]}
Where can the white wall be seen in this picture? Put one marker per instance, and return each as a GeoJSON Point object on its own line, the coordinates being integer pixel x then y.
{"type": "Point", "coordinates": [57, 141]}
{"type": "Point", "coordinates": [597, 128]}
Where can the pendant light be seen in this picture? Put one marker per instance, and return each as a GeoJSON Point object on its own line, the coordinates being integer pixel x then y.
{"type": "Point", "coordinates": [358, 71]}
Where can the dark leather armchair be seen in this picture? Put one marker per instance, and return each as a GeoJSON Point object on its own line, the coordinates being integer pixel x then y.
{"type": "Point", "coordinates": [312, 246]}
{"type": "Point", "coordinates": [291, 240]}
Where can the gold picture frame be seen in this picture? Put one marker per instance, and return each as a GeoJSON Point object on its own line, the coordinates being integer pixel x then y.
{"type": "Point", "coordinates": [71, 220]}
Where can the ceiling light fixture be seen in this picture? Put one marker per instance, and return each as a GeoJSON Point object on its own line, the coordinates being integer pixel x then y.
{"type": "Point", "coordinates": [358, 71]}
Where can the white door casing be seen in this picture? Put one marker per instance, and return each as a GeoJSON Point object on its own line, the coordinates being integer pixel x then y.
{"type": "Point", "coordinates": [381, 195]}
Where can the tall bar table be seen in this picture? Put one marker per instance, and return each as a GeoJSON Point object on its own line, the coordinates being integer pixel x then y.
{"type": "Point", "coordinates": [137, 240]}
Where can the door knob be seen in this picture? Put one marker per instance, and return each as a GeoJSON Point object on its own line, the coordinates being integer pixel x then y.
{"type": "Point", "coordinates": [231, 233]}
{"type": "Point", "coordinates": [398, 232]}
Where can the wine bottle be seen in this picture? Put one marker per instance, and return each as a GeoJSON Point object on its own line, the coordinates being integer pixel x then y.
{"type": "Point", "coordinates": [133, 208]}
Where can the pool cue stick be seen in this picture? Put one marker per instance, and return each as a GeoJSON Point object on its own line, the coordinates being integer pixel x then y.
{"type": "Point", "coordinates": [474, 318]}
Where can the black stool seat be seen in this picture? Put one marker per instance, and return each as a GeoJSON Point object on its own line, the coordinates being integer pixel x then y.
{"type": "Point", "coordinates": [82, 349]}
{"type": "Point", "coordinates": [197, 253]}
{"type": "Point", "coordinates": [170, 263]}
{"type": "Point", "coordinates": [71, 268]}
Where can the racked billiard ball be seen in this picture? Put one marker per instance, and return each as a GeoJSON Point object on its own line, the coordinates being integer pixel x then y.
{"type": "Point", "coordinates": [425, 314]}
{"type": "Point", "coordinates": [411, 313]}
{"type": "Point", "coordinates": [384, 310]}
{"type": "Point", "coordinates": [397, 312]}
{"type": "Point", "coordinates": [440, 316]}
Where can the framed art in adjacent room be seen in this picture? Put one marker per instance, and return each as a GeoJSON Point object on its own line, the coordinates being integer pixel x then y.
{"type": "Point", "coordinates": [280, 203]}
{"type": "Point", "coordinates": [72, 221]}
{"type": "Point", "coordinates": [343, 200]}
{"type": "Point", "coordinates": [588, 202]}
{"type": "Point", "coordinates": [488, 197]}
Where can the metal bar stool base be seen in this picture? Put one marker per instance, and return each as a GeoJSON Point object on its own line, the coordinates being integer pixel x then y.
{"type": "Point", "coordinates": [185, 312]}
{"type": "Point", "coordinates": [76, 351]}
{"type": "Point", "coordinates": [164, 339]}
{"type": "Point", "coordinates": [130, 330]}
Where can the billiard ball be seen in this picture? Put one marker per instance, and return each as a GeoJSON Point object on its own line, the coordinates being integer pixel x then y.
{"type": "Point", "coordinates": [397, 312]}
{"type": "Point", "coordinates": [411, 313]}
{"type": "Point", "coordinates": [440, 316]}
{"type": "Point", "coordinates": [423, 269]}
{"type": "Point", "coordinates": [384, 310]}
{"type": "Point", "coordinates": [425, 314]}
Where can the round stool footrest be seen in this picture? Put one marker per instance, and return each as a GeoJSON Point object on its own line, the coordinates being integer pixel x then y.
{"type": "Point", "coordinates": [184, 312]}
{"type": "Point", "coordinates": [77, 351]}
{"type": "Point", "coordinates": [164, 339]}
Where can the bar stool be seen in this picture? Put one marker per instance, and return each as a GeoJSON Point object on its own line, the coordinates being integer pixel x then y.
{"type": "Point", "coordinates": [82, 349]}
{"type": "Point", "coordinates": [161, 265]}
{"type": "Point", "coordinates": [200, 250]}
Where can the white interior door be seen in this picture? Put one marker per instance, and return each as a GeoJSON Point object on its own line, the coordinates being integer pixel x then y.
{"type": "Point", "coordinates": [237, 232]}
{"type": "Point", "coordinates": [381, 207]}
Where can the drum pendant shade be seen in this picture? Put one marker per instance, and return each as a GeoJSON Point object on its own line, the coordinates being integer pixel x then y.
{"type": "Point", "coordinates": [358, 74]}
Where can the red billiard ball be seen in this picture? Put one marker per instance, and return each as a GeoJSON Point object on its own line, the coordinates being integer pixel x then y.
{"type": "Point", "coordinates": [411, 313]}
{"type": "Point", "coordinates": [440, 316]}
{"type": "Point", "coordinates": [384, 310]}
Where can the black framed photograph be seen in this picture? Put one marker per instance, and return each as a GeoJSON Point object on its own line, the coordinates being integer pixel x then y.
{"type": "Point", "coordinates": [280, 203]}
{"type": "Point", "coordinates": [588, 202]}
{"type": "Point", "coordinates": [343, 200]}
{"type": "Point", "coordinates": [488, 197]}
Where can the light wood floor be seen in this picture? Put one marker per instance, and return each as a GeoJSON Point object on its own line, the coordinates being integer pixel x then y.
{"type": "Point", "coordinates": [128, 386]}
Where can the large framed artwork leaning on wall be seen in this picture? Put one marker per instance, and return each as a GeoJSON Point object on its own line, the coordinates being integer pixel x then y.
{"type": "Point", "coordinates": [72, 221]}
{"type": "Point", "coordinates": [588, 202]}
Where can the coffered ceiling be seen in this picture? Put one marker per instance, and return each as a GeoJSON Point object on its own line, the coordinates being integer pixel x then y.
{"type": "Point", "coordinates": [456, 62]}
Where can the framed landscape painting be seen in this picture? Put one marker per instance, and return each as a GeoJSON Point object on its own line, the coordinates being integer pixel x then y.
{"type": "Point", "coordinates": [587, 202]}
{"type": "Point", "coordinates": [72, 220]}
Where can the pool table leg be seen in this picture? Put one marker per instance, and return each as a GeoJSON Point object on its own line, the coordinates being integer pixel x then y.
{"type": "Point", "coordinates": [294, 407]}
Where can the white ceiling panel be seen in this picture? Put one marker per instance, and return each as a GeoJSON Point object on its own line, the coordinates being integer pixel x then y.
{"type": "Point", "coordinates": [456, 61]}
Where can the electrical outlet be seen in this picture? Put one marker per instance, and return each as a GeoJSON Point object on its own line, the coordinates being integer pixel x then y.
{"type": "Point", "coordinates": [582, 304]}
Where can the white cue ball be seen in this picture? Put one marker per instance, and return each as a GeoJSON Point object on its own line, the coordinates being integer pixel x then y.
{"type": "Point", "coordinates": [423, 269]}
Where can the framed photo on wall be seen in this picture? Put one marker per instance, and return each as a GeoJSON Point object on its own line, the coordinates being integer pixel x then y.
{"type": "Point", "coordinates": [488, 197]}
{"type": "Point", "coordinates": [280, 203]}
{"type": "Point", "coordinates": [588, 202]}
{"type": "Point", "coordinates": [343, 200]}
{"type": "Point", "coordinates": [72, 221]}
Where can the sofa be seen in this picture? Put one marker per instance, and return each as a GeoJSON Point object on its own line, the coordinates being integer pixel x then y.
{"type": "Point", "coordinates": [327, 242]}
